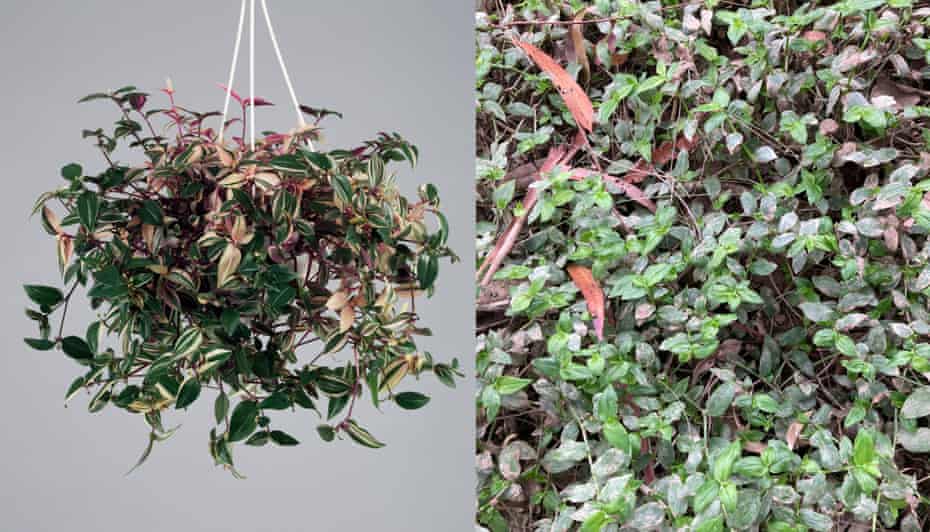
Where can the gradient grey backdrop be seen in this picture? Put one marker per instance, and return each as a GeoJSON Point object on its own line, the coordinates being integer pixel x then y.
{"type": "Point", "coordinates": [401, 66]}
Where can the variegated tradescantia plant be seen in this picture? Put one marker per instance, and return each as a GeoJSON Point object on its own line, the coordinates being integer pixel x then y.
{"type": "Point", "coordinates": [246, 272]}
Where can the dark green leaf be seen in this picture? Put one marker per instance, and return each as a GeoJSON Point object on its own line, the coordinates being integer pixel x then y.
{"type": "Point", "coordinates": [283, 438]}
{"type": "Point", "coordinates": [220, 408]}
{"type": "Point", "coordinates": [72, 171]}
{"type": "Point", "coordinates": [88, 207]}
{"type": "Point", "coordinates": [151, 213]}
{"type": "Point", "coordinates": [76, 348]}
{"type": "Point", "coordinates": [46, 296]}
{"type": "Point", "coordinates": [326, 432]}
{"type": "Point", "coordinates": [427, 270]}
{"type": "Point", "coordinates": [40, 344]}
{"type": "Point", "coordinates": [276, 401]}
{"type": "Point", "coordinates": [230, 321]}
{"type": "Point", "coordinates": [243, 421]}
{"type": "Point", "coordinates": [258, 439]}
{"type": "Point", "coordinates": [411, 400]}
{"type": "Point", "coordinates": [342, 188]}
{"type": "Point", "coordinates": [189, 392]}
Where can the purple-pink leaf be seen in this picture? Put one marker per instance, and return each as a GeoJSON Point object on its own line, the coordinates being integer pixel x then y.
{"type": "Point", "coordinates": [137, 101]}
{"type": "Point", "coordinates": [259, 102]}
{"type": "Point", "coordinates": [233, 93]}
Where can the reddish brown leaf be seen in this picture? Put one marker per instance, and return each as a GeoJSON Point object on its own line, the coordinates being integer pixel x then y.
{"type": "Point", "coordinates": [828, 127]}
{"type": "Point", "coordinates": [649, 472]}
{"type": "Point", "coordinates": [574, 96]}
{"type": "Point", "coordinates": [791, 435]}
{"type": "Point", "coordinates": [593, 294]}
{"type": "Point", "coordinates": [581, 55]}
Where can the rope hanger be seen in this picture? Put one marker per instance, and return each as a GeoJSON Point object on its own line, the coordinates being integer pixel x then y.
{"type": "Point", "coordinates": [235, 61]}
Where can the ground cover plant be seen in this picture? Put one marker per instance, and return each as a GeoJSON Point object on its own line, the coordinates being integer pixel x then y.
{"type": "Point", "coordinates": [274, 276]}
{"type": "Point", "coordinates": [703, 265]}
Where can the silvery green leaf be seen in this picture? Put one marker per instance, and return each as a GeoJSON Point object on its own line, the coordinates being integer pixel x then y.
{"type": "Point", "coordinates": [758, 230]}
{"type": "Point", "coordinates": [920, 327]}
{"type": "Point", "coordinates": [690, 128]}
{"type": "Point", "coordinates": [856, 300]}
{"type": "Point", "coordinates": [584, 512]}
{"type": "Point", "coordinates": [787, 222]}
{"type": "Point", "coordinates": [494, 108]}
{"type": "Point", "coordinates": [876, 340]}
{"type": "Point", "coordinates": [615, 487]}
{"type": "Point", "coordinates": [903, 173]}
{"type": "Point", "coordinates": [765, 154]}
{"type": "Point", "coordinates": [816, 520]}
{"type": "Point", "coordinates": [748, 508]}
{"type": "Point", "coordinates": [817, 312]}
{"type": "Point", "coordinates": [784, 494]}
{"type": "Point", "coordinates": [900, 330]}
{"type": "Point", "coordinates": [748, 202]}
{"type": "Point", "coordinates": [859, 196]}
{"type": "Point", "coordinates": [829, 454]}
{"type": "Point", "coordinates": [783, 240]}
{"type": "Point", "coordinates": [870, 227]}
{"type": "Point", "coordinates": [719, 401]}
{"type": "Point", "coordinates": [712, 186]}
{"type": "Point", "coordinates": [564, 457]}
{"type": "Point", "coordinates": [846, 227]}
{"type": "Point", "coordinates": [579, 492]}
{"type": "Point", "coordinates": [609, 463]}
{"type": "Point", "coordinates": [810, 227]}
{"type": "Point", "coordinates": [734, 140]}
{"type": "Point", "coordinates": [520, 109]}
{"type": "Point", "coordinates": [917, 404]}
{"type": "Point", "coordinates": [768, 205]}
{"type": "Point", "coordinates": [890, 195]}
{"type": "Point", "coordinates": [799, 261]}
{"type": "Point", "coordinates": [646, 517]}
{"type": "Point", "coordinates": [509, 462]}
{"type": "Point", "coordinates": [674, 492]}
{"type": "Point", "coordinates": [850, 321]}
{"type": "Point", "coordinates": [864, 508]}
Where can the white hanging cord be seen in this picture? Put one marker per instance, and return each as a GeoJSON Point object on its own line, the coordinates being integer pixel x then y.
{"type": "Point", "coordinates": [232, 72]}
{"type": "Point", "coordinates": [235, 61]}
{"type": "Point", "coordinates": [287, 77]}
{"type": "Point", "coordinates": [252, 73]}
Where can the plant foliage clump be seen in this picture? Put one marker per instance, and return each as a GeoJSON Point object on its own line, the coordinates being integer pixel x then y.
{"type": "Point", "coordinates": [704, 265]}
{"type": "Point", "coordinates": [216, 266]}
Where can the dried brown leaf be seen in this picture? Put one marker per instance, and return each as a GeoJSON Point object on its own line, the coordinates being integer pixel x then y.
{"type": "Point", "coordinates": [574, 96]}
{"type": "Point", "coordinates": [593, 295]}
{"type": "Point", "coordinates": [791, 435]}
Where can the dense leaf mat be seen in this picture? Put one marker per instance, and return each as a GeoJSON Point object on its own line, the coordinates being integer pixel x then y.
{"type": "Point", "coordinates": [704, 266]}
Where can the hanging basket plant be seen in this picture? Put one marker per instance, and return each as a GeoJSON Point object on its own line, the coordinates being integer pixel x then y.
{"type": "Point", "coordinates": [272, 278]}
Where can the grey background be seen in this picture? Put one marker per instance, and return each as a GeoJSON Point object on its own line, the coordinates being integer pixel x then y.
{"type": "Point", "coordinates": [403, 66]}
